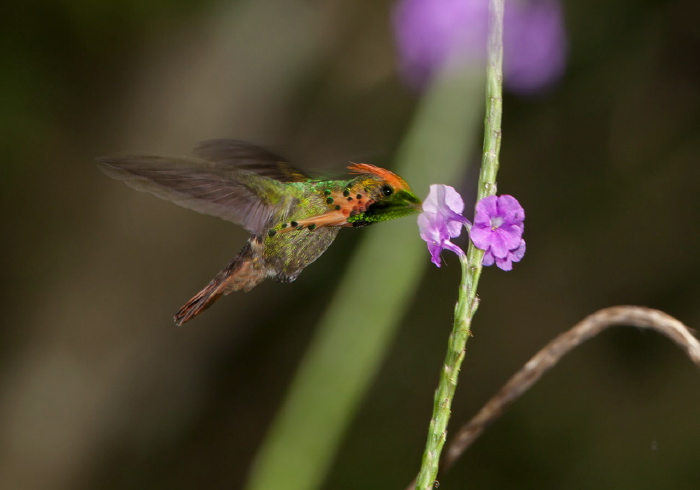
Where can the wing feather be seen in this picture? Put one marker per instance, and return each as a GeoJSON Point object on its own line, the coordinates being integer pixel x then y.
{"type": "Point", "coordinates": [238, 154]}
{"type": "Point", "coordinates": [216, 188]}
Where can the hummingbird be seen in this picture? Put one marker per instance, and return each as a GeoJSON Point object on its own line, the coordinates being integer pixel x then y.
{"type": "Point", "coordinates": [292, 217]}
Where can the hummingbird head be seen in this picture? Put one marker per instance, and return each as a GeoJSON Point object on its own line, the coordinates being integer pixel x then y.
{"type": "Point", "coordinates": [389, 195]}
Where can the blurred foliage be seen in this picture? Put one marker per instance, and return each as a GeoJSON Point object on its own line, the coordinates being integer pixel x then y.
{"type": "Point", "coordinates": [99, 390]}
{"type": "Point", "coordinates": [53, 54]}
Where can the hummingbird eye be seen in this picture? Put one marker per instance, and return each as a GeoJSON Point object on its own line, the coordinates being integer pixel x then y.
{"type": "Point", "coordinates": [387, 190]}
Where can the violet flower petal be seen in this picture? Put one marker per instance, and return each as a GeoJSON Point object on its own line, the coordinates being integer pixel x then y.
{"type": "Point", "coordinates": [441, 220]}
{"type": "Point", "coordinates": [535, 45]}
{"type": "Point", "coordinates": [480, 235]}
{"type": "Point", "coordinates": [435, 34]}
{"type": "Point", "coordinates": [498, 230]}
{"type": "Point", "coordinates": [510, 209]}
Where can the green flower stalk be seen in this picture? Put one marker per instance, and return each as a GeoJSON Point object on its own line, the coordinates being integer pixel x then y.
{"type": "Point", "coordinates": [471, 262]}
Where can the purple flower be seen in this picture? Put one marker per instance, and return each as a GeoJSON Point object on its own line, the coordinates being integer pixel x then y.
{"type": "Point", "coordinates": [534, 45]}
{"type": "Point", "coordinates": [435, 34]}
{"type": "Point", "coordinates": [441, 220]}
{"type": "Point", "coordinates": [498, 230]}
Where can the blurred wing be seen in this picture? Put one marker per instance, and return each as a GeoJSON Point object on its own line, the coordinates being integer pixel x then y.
{"type": "Point", "coordinates": [234, 153]}
{"type": "Point", "coordinates": [230, 193]}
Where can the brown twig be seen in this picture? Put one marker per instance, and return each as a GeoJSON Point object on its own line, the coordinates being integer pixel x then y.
{"type": "Point", "coordinates": [546, 358]}
{"type": "Point", "coordinates": [552, 353]}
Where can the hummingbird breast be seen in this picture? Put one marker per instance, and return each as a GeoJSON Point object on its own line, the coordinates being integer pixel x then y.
{"type": "Point", "coordinates": [308, 228]}
{"type": "Point", "coordinates": [285, 255]}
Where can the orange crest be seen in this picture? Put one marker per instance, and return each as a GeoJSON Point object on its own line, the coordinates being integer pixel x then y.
{"type": "Point", "coordinates": [386, 175]}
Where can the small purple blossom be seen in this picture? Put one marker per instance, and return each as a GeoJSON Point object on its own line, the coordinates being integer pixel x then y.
{"type": "Point", "coordinates": [534, 45]}
{"type": "Point", "coordinates": [434, 34]}
{"type": "Point", "coordinates": [498, 230]}
{"type": "Point", "coordinates": [441, 220]}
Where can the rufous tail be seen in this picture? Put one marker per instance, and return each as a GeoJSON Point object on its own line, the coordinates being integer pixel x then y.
{"type": "Point", "coordinates": [243, 272]}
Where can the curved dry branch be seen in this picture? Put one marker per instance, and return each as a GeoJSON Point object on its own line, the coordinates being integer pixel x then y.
{"type": "Point", "coordinates": [550, 355]}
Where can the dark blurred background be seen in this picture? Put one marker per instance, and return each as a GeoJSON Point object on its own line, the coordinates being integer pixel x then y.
{"type": "Point", "coordinates": [98, 389]}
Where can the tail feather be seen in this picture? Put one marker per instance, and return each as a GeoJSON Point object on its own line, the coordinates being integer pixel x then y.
{"type": "Point", "coordinates": [199, 302]}
{"type": "Point", "coordinates": [243, 272]}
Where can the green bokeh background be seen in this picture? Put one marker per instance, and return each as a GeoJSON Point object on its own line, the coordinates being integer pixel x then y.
{"type": "Point", "coordinates": [99, 390]}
